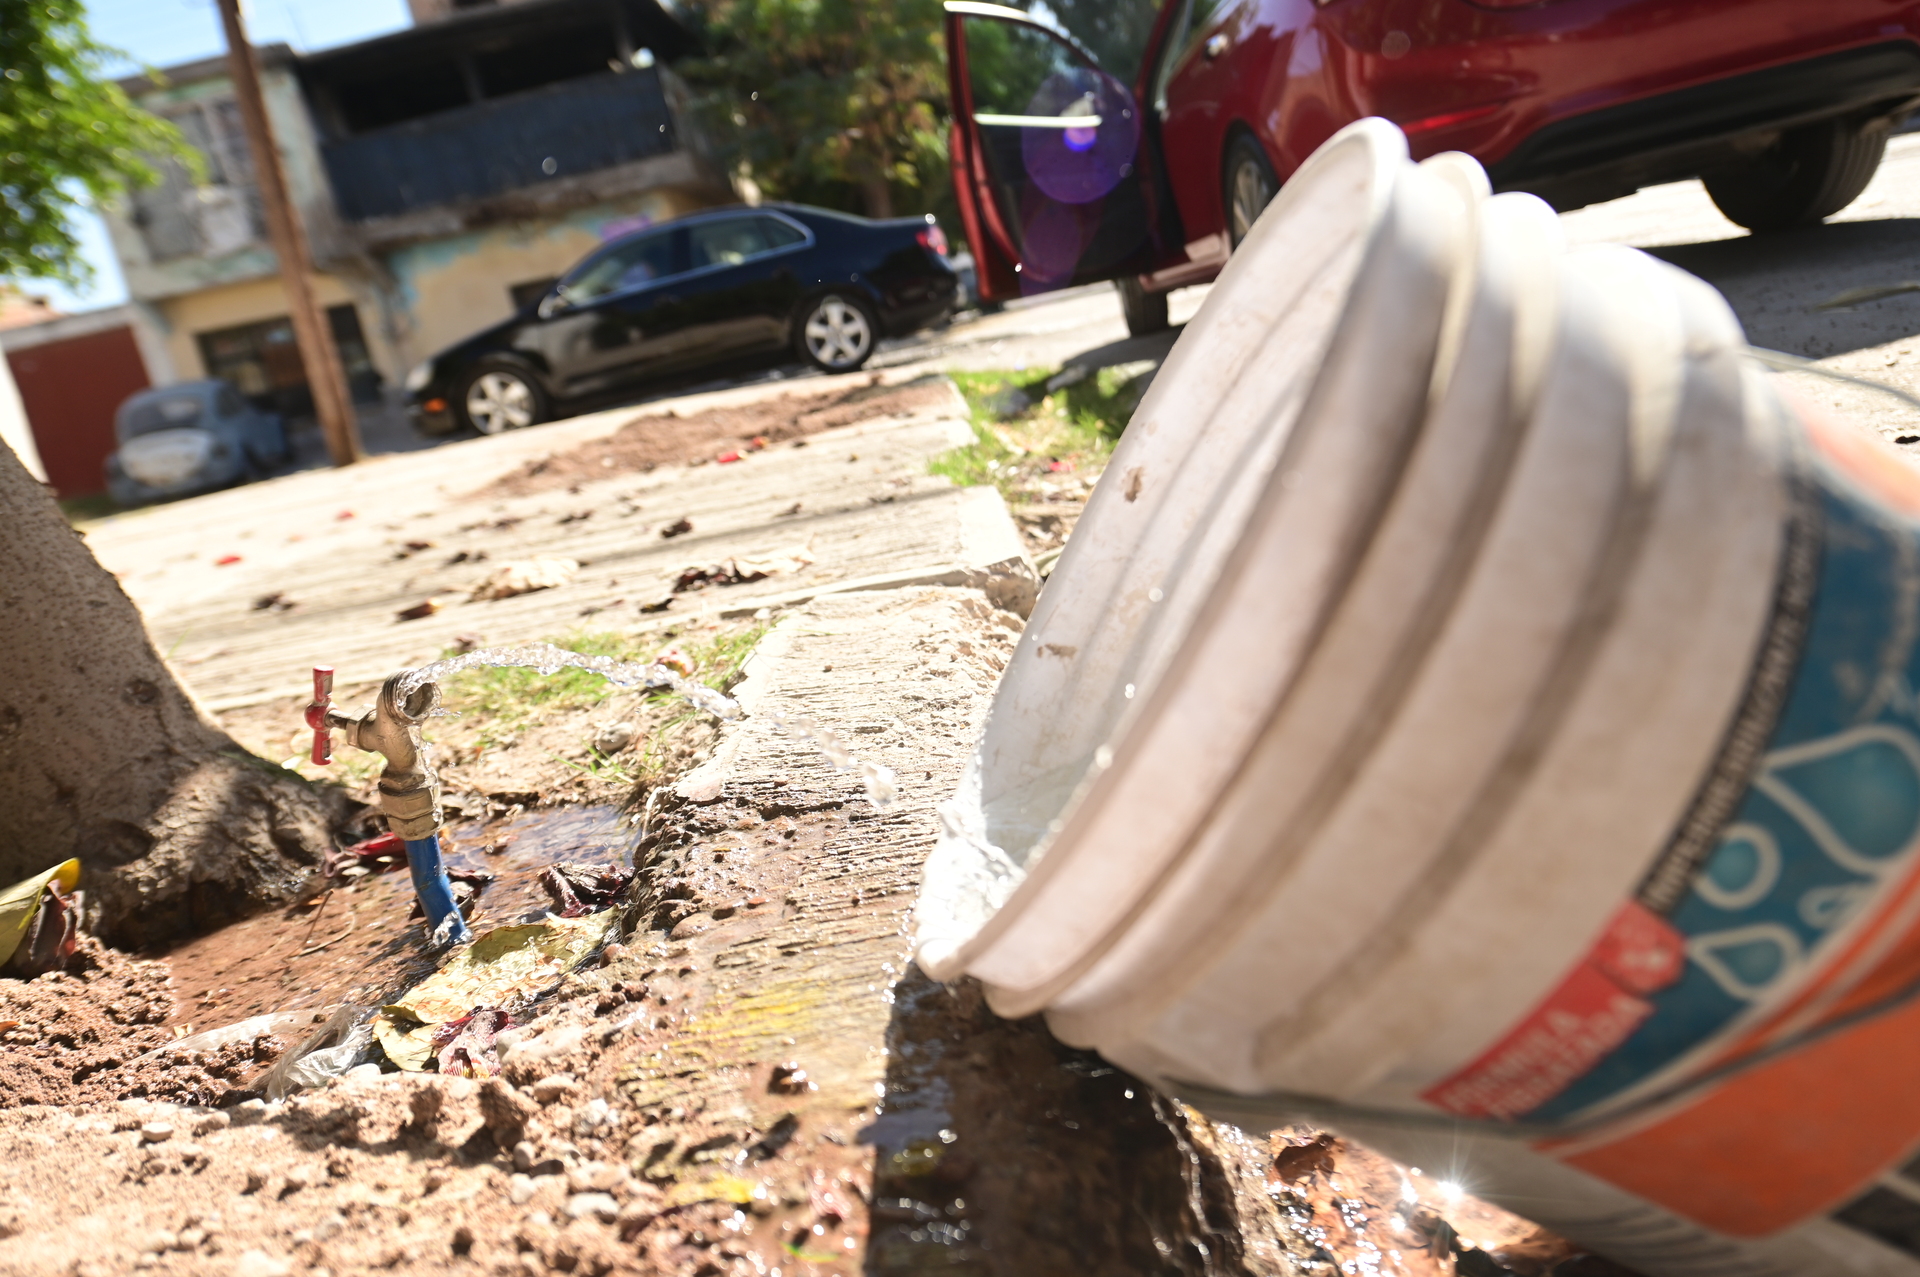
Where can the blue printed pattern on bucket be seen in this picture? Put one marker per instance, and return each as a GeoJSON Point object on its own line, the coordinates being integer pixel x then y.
{"type": "Point", "coordinates": [1829, 822]}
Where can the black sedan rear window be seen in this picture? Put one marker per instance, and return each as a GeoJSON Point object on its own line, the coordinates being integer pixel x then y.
{"type": "Point", "coordinates": [734, 240]}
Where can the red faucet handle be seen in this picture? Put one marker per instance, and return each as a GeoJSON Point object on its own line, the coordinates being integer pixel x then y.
{"type": "Point", "coordinates": [317, 714]}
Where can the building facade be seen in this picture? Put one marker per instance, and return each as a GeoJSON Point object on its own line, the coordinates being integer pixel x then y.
{"type": "Point", "coordinates": [444, 174]}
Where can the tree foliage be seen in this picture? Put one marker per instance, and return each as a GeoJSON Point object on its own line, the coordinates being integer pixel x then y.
{"type": "Point", "coordinates": [827, 101]}
{"type": "Point", "coordinates": [68, 135]}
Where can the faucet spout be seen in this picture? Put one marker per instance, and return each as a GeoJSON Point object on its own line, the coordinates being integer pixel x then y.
{"type": "Point", "coordinates": [409, 789]}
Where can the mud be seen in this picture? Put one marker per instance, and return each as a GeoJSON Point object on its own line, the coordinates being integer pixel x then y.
{"type": "Point", "coordinates": [358, 939]}
{"type": "Point", "coordinates": [658, 439]}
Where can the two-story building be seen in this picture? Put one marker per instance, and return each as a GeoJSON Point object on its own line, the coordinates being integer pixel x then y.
{"type": "Point", "coordinates": [445, 174]}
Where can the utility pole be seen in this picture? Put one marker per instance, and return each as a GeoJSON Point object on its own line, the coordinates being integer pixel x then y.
{"type": "Point", "coordinates": [318, 354]}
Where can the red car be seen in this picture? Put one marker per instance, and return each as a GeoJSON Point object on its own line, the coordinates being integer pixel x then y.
{"type": "Point", "coordinates": [1136, 140]}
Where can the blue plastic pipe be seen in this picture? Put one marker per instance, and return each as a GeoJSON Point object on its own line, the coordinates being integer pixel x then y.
{"type": "Point", "coordinates": [435, 892]}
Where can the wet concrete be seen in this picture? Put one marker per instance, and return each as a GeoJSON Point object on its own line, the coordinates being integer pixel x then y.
{"type": "Point", "coordinates": [912, 1130]}
{"type": "Point", "coordinates": [354, 942]}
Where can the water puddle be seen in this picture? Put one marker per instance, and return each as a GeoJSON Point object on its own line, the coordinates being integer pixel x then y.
{"type": "Point", "coordinates": [356, 943]}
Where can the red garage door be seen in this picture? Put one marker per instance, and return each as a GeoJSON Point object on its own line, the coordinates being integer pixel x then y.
{"type": "Point", "coordinates": [70, 389]}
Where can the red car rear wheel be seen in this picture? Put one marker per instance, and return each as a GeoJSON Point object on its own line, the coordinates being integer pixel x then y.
{"type": "Point", "coordinates": [1808, 174]}
{"type": "Point", "coordinates": [1250, 186]}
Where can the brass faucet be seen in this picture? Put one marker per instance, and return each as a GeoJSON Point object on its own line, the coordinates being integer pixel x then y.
{"type": "Point", "coordinates": [409, 789]}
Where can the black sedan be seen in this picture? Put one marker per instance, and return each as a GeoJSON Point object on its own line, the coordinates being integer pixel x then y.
{"type": "Point", "coordinates": [729, 287]}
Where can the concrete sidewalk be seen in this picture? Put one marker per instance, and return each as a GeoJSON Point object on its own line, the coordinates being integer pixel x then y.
{"type": "Point", "coordinates": [339, 545]}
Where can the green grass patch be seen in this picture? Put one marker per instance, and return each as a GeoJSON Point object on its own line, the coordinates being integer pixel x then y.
{"type": "Point", "coordinates": [508, 697]}
{"type": "Point", "coordinates": [81, 511]}
{"type": "Point", "coordinates": [1023, 433]}
{"type": "Point", "coordinates": [601, 768]}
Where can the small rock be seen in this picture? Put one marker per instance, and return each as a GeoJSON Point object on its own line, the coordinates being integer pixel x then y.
{"type": "Point", "coordinates": [593, 1177]}
{"type": "Point", "coordinates": [156, 1132]}
{"type": "Point", "coordinates": [555, 1087]}
{"type": "Point", "coordinates": [361, 1073]}
{"type": "Point", "coordinates": [524, 1156]}
{"type": "Point", "coordinates": [208, 1123]}
{"type": "Point", "coordinates": [298, 1178]}
{"type": "Point", "coordinates": [160, 1242]}
{"type": "Point", "coordinates": [614, 737]}
{"type": "Point", "coordinates": [258, 1263]}
{"type": "Point", "coordinates": [247, 1112]}
{"type": "Point", "coordinates": [546, 1046]}
{"type": "Point", "coordinates": [329, 1227]}
{"type": "Point", "coordinates": [257, 1177]}
{"type": "Point", "coordinates": [504, 1110]}
{"type": "Point", "coordinates": [520, 1189]}
{"type": "Point", "coordinates": [690, 926]}
{"type": "Point", "coordinates": [436, 1179]}
{"type": "Point", "coordinates": [600, 1206]}
{"type": "Point", "coordinates": [191, 1239]}
{"type": "Point", "coordinates": [595, 1116]}
{"type": "Point", "coordinates": [462, 1240]}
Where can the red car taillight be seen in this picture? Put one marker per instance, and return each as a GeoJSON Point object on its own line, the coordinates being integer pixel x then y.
{"type": "Point", "coordinates": [933, 237]}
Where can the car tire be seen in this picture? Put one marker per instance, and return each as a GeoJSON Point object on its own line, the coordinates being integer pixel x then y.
{"type": "Point", "coordinates": [1146, 313]}
{"type": "Point", "coordinates": [1806, 176]}
{"type": "Point", "coordinates": [498, 397]}
{"type": "Point", "coordinates": [1249, 186]}
{"type": "Point", "coordinates": [836, 332]}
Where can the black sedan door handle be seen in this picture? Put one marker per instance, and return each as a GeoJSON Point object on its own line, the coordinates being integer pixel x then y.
{"type": "Point", "coordinates": [1216, 45]}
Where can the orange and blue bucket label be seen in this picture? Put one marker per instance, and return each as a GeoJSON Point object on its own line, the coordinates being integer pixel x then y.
{"type": "Point", "coordinates": [1788, 900]}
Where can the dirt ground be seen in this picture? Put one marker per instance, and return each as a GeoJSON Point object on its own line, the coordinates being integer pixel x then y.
{"type": "Point", "coordinates": [666, 438]}
{"type": "Point", "coordinates": [751, 1079]}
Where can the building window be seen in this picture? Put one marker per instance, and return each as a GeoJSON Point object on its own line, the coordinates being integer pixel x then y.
{"type": "Point", "coordinates": [263, 361]}
{"type": "Point", "coordinates": [221, 215]}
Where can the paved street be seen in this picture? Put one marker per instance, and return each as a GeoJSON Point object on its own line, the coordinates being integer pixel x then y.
{"type": "Point", "coordinates": [1778, 283]}
{"type": "Point", "coordinates": [1775, 283]}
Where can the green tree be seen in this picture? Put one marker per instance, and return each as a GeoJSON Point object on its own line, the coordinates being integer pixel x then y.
{"type": "Point", "coordinates": [68, 135]}
{"type": "Point", "coordinates": [828, 101]}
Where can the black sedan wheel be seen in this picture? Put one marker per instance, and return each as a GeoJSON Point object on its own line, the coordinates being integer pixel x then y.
{"type": "Point", "coordinates": [836, 333]}
{"type": "Point", "coordinates": [495, 399]}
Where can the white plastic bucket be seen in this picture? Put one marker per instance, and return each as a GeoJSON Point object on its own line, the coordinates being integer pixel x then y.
{"type": "Point", "coordinates": [1497, 732]}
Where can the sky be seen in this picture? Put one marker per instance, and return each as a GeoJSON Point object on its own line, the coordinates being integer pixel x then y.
{"type": "Point", "coordinates": [167, 32]}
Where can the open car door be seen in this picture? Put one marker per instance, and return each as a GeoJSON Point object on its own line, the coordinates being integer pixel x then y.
{"type": "Point", "coordinates": [1051, 162]}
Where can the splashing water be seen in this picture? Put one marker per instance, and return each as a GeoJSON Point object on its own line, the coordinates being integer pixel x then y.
{"type": "Point", "coordinates": [882, 791]}
{"type": "Point", "coordinates": [548, 659]}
